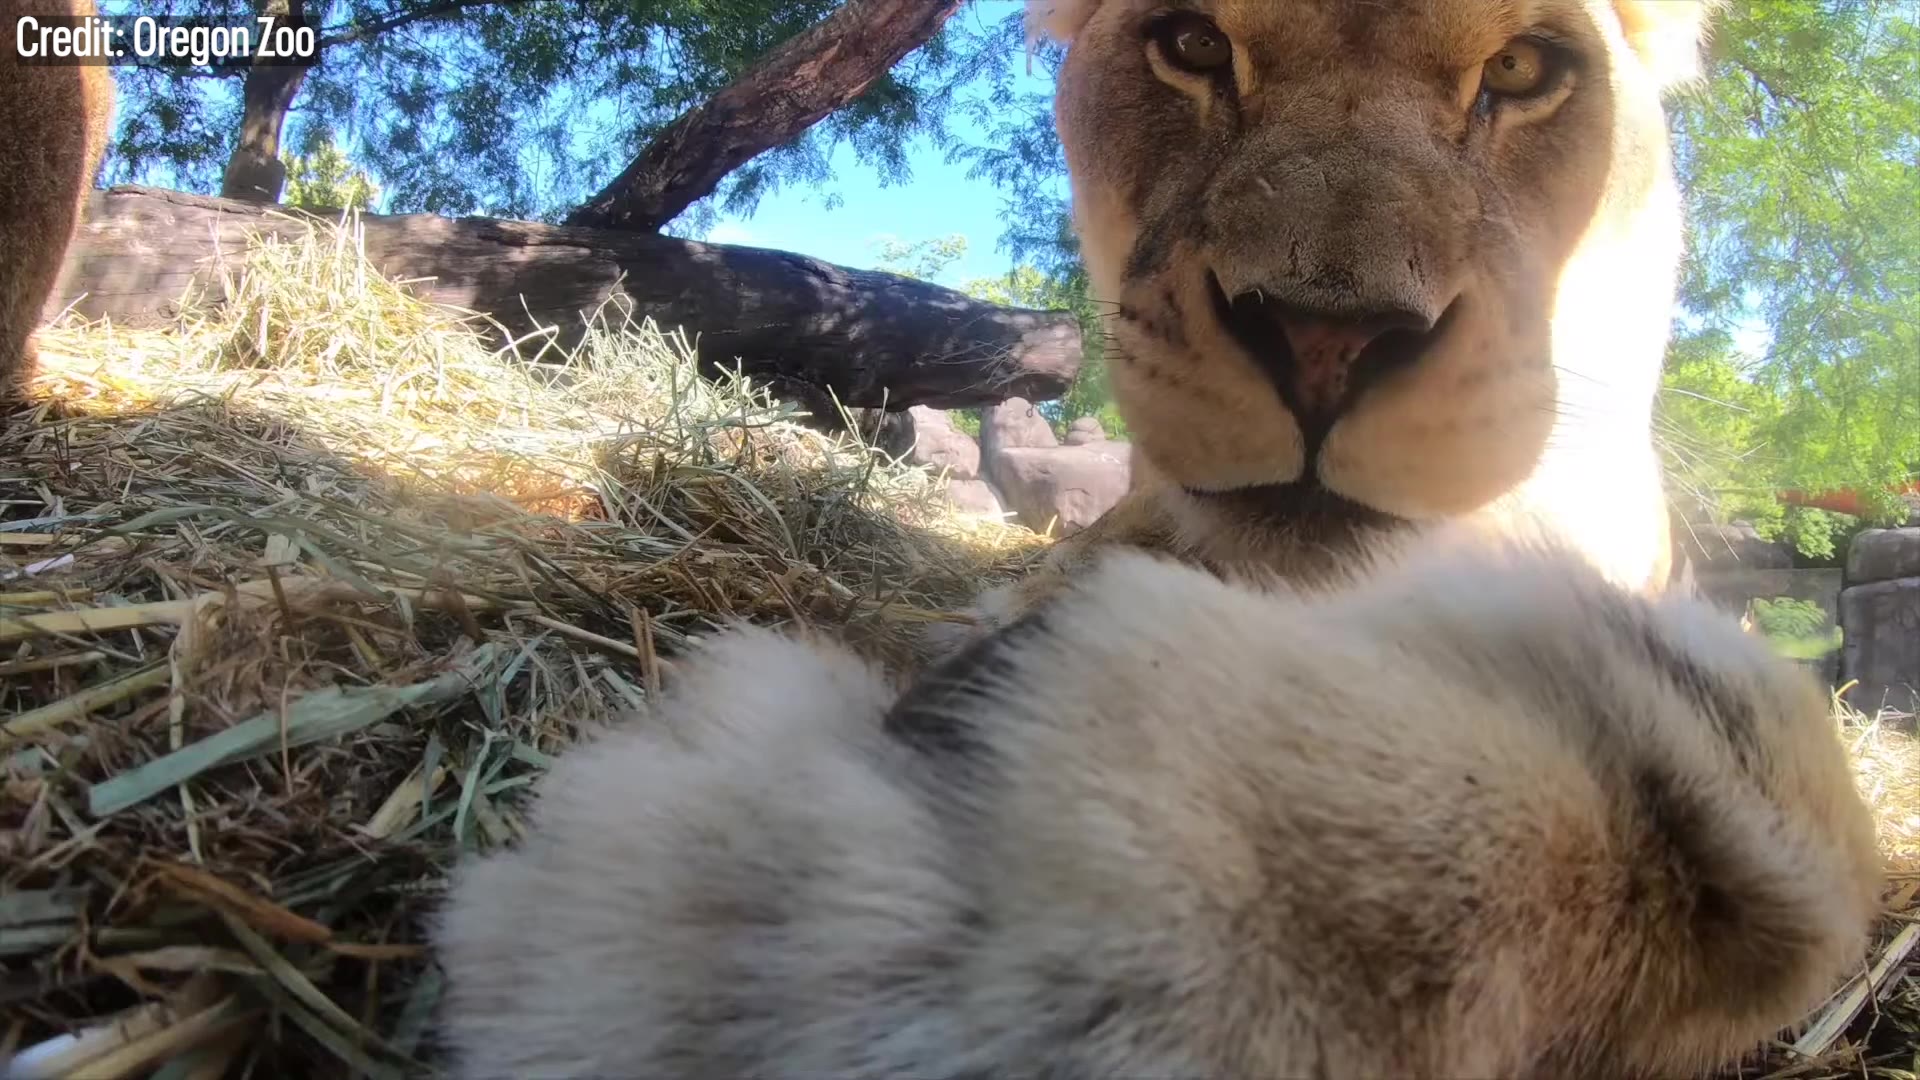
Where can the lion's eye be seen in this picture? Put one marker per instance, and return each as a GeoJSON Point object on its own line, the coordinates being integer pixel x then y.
{"type": "Point", "coordinates": [1193, 43]}
{"type": "Point", "coordinates": [1524, 68]}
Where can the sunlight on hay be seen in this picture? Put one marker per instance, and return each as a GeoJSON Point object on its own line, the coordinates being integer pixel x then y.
{"type": "Point", "coordinates": [309, 331]}
{"type": "Point", "coordinates": [1870, 1025]}
{"type": "Point", "coordinates": [1886, 763]}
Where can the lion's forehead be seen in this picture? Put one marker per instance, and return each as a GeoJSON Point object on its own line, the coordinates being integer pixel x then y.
{"type": "Point", "coordinates": [1436, 33]}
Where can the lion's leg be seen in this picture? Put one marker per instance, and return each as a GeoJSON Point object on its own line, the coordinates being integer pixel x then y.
{"type": "Point", "coordinates": [56, 121]}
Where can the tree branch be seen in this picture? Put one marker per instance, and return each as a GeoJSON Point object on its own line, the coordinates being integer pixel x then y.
{"type": "Point", "coordinates": [787, 91]}
{"type": "Point", "coordinates": [348, 34]}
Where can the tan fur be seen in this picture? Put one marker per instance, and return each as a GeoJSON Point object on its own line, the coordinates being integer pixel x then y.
{"type": "Point", "coordinates": [1482, 814]}
{"type": "Point", "coordinates": [1349, 174]}
{"type": "Point", "coordinates": [54, 125]}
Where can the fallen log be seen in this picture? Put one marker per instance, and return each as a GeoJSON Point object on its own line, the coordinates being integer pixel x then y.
{"type": "Point", "coordinates": [874, 339]}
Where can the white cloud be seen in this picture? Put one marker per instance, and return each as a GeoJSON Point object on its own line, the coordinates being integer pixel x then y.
{"type": "Point", "coordinates": [730, 232]}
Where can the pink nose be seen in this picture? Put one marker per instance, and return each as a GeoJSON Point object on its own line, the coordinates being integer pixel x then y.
{"type": "Point", "coordinates": [1322, 359]}
{"type": "Point", "coordinates": [1324, 356]}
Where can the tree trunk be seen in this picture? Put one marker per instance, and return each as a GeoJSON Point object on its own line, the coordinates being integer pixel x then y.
{"type": "Point", "coordinates": [873, 339]}
{"type": "Point", "coordinates": [255, 171]}
{"type": "Point", "coordinates": [783, 94]}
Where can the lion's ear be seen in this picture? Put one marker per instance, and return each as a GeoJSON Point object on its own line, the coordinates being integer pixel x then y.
{"type": "Point", "coordinates": [1668, 34]}
{"type": "Point", "coordinates": [1058, 19]}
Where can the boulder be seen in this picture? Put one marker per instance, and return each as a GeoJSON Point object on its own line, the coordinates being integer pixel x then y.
{"type": "Point", "coordinates": [1085, 430]}
{"type": "Point", "coordinates": [937, 443]}
{"type": "Point", "coordinates": [1012, 424]}
{"type": "Point", "coordinates": [1068, 487]}
{"type": "Point", "coordinates": [1883, 555]}
{"type": "Point", "coordinates": [1881, 622]}
{"type": "Point", "coordinates": [1738, 544]}
{"type": "Point", "coordinates": [974, 497]}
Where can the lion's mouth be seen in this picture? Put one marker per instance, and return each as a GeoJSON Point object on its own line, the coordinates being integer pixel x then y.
{"type": "Point", "coordinates": [1305, 510]}
{"type": "Point", "coordinates": [1320, 387]}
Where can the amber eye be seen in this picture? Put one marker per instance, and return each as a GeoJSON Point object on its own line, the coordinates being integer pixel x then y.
{"type": "Point", "coordinates": [1192, 43]}
{"type": "Point", "coordinates": [1524, 68]}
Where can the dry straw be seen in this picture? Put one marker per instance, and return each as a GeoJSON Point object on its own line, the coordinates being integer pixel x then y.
{"type": "Point", "coordinates": [298, 593]}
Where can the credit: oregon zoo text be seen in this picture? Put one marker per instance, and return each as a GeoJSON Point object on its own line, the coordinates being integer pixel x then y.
{"type": "Point", "coordinates": [163, 41]}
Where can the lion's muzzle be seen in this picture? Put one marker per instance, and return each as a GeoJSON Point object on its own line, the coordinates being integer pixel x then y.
{"type": "Point", "coordinates": [1322, 360]}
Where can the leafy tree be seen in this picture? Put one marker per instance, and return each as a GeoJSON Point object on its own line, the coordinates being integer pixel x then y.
{"type": "Point", "coordinates": [1801, 159]}
{"type": "Point", "coordinates": [1022, 156]}
{"type": "Point", "coordinates": [1796, 628]}
{"type": "Point", "coordinates": [1785, 617]}
{"type": "Point", "coordinates": [517, 108]}
{"type": "Point", "coordinates": [325, 179]}
{"type": "Point", "coordinates": [921, 260]}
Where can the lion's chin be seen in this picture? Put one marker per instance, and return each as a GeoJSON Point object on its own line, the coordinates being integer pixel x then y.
{"type": "Point", "coordinates": [1301, 512]}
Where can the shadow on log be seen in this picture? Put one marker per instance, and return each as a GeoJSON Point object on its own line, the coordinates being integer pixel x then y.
{"type": "Point", "coordinates": [874, 339]}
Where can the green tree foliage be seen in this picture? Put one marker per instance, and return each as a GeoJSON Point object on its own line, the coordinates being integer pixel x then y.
{"type": "Point", "coordinates": [323, 178]}
{"type": "Point", "coordinates": [1801, 158]}
{"type": "Point", "coordinates": [522, 107]}
{"type": "Point", "coordinates": [1785, 617]}
{"type": "Point", "coordinates": [1022, 156]}
{"type": "Point", "coordinates": [1797, 628]}
{"type": "Point", "coordinates": [921, 260]}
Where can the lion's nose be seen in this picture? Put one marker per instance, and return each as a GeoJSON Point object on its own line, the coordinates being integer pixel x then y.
{"type": "Point", "coordinates": [1323, 359]}
{"type": "Point", "coordinates": [1320, 360]}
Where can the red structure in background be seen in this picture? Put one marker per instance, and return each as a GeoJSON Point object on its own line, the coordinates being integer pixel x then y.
{"type": "Point", "coordinates": [1843, 501]}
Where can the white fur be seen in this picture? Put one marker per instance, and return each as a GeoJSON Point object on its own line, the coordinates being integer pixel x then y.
{"type": "Point", "coordinates": [1453, 821]}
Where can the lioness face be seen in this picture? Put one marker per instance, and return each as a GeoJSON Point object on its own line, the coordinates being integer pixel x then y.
{"type": "Point", "coordinates": [1340, 235]}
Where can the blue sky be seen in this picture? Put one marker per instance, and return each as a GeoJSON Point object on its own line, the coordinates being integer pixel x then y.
{"type": "Point", "coordinates": [939, 201]}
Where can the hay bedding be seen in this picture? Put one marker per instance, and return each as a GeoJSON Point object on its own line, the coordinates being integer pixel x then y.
{"type": "Point", "coordinates": [297, 598]}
